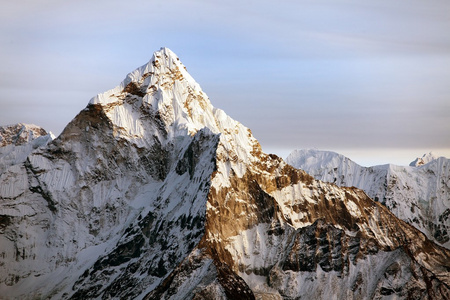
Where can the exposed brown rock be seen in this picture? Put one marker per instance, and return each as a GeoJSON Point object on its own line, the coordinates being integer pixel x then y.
{"type": "Point", "coordinates": [19, 134]}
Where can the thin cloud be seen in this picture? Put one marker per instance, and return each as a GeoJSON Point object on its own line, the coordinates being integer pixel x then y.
{"type": "Point", "coordinates": [328, 74]}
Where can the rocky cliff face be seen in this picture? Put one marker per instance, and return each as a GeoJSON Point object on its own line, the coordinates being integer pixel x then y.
{"type": "Point", "coordinates": [152, 193]}
{"type": "Point", "coordinates": [418, 194]}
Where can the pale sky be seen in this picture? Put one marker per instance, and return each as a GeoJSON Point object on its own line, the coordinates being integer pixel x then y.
{"type": "Point", "coordinates": [368, 79]}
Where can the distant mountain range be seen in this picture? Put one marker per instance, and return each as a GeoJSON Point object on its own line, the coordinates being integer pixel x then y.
{"type": "Point", "coordinates": [152, 193]}
{"type": "Point", "coordinates": [418, 194]}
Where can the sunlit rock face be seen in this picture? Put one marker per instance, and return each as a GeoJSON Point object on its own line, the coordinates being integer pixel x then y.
{"type": "Point", "coordinates": [419, 193]}
{"type": "Point", "coordinates": [152, 193]}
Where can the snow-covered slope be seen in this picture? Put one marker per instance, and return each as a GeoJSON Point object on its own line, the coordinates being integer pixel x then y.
{"type": "Point", "coordinates": [152, 193]}
{"type": "Point", "coordinates": [418, 194]}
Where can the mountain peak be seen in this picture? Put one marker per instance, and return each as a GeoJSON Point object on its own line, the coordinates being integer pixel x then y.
{"type": "Point", "coordinates": [164, 87]}
{"type": "Point", "coordinates": [315, 157]}
{"type": "Point", "coordinates": [164, 66]}
{"type": "Point", "coordinates": [17, 141]}
{"type": "Point", "coordinates": [426, 158]}
{"type": "Point", "coordinates": [19, 134]}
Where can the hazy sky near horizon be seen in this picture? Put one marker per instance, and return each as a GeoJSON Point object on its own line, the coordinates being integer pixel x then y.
{"type": "Point", "coordinates": [368, 79]}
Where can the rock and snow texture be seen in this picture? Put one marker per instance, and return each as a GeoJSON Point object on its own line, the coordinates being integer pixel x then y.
{"type": "Point", "coordinates": [18, 141]}
{"type": "Point", "coordinates": [418, 194]}
{"type": "Point", "coordinates": [152, 193]}
{"type": "Point", "coordinates": [20, 134]}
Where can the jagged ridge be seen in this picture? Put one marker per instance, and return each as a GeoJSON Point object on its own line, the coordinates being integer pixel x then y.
{"type": "Point", "coordinates": [417, 195]}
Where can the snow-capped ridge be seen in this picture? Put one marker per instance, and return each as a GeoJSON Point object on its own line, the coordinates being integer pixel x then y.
{"type": "Point", "coordinates": [426, 158]}
{"type": "Point", "coordinates": [17, 141]}
{"type": "Point", "coordinates": [315, 157]}
{"type": "Point", "coordinates": [21, 133]}
{"type": "Point", "coordinates": [417, 194]}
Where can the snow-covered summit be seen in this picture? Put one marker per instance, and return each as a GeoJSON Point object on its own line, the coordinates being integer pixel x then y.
{"type": "Point", "coordinates": [426, 158]}
{"type": "Point", "coordinates": [163, 90]}
{"type": "Point", "coordinates": [21, 133]}
{"type": "Point", "coordinates": [18, 141]}
{"type": "Point", "coordinates": [163, 62]}
{"type": "Point", "coordinates": [165, 86]}
{"type": "Point", "coordinates": [317, 159]}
